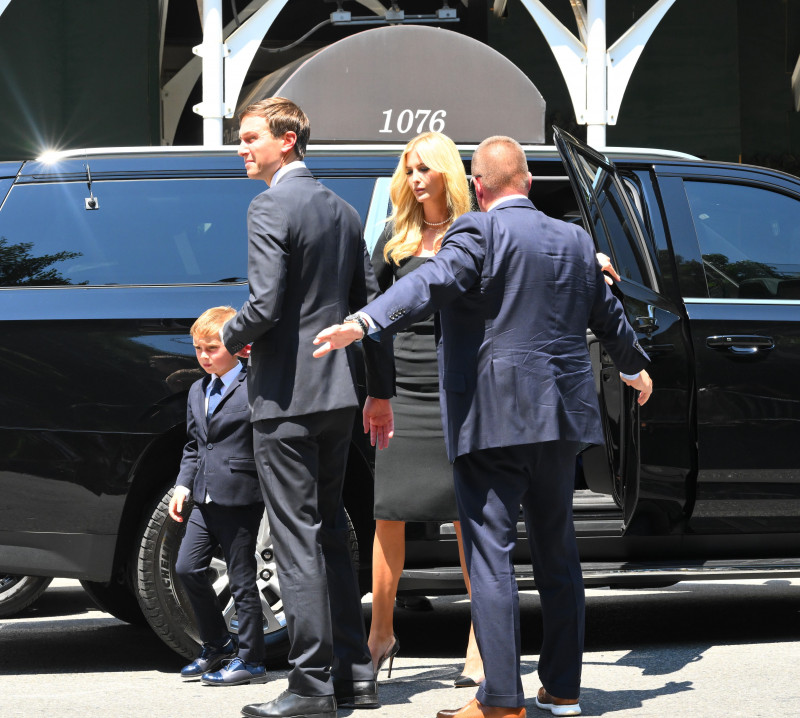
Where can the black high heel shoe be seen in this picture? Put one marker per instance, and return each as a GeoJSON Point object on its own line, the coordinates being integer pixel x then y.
{"type": "Point", "coordinates": [389, 655]}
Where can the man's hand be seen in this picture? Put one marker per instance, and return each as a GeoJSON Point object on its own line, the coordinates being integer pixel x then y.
{"type": "Point", "coordinates": [337, 336]}
{"type": "Point", "coordinates": [176, 506]}
{"type": "Point", "coordinates": [643, 383]}
{"type": "Point", "coordinates": [605, 266]}
{"type": "Point", "coordinates": [245, 353]}
{"type": "Point", "coordinates": [378, 421]}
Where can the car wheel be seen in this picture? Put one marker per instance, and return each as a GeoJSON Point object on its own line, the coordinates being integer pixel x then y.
{"type": "Point", "coordinates": [166, 606]}
{"type": "Point", "coordinates": [116, 599]}
{"type": "Point", "coordinates": [18, 592]}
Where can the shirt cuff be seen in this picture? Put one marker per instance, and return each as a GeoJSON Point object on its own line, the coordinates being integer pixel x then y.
{"type": "Point", "coordinates": [630, 377]}
{"type": "Point", "coordinates": [185, 490]}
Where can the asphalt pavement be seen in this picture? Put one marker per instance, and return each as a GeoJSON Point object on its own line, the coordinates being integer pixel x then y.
{"type": "Point", "coordinates": [694, 649]}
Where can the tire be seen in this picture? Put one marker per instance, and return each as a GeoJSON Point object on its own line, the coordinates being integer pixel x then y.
{"type": "Point", "coordinates": [166, 607]}
{"type": "Point", "coordinates": [19, 592]}
{"type": "Point", "coordinates": [117, 599]}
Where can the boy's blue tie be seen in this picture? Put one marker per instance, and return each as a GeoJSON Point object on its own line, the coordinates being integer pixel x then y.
{"type": "Point", "coordinates": [214, 397]}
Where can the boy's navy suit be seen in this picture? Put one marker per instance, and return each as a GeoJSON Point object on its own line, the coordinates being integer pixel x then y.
{"type": "Point", "coordinates": [218, 460]}
{"type": "Point", "coordinates": [516, 291]}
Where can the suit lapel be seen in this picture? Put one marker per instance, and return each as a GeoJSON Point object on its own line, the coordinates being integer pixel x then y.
{"type": "Point", "coordinates": [198, 400]}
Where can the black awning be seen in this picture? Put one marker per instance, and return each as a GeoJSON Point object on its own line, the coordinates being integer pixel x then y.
{"type": "Point", "coordinates": [390, 83]}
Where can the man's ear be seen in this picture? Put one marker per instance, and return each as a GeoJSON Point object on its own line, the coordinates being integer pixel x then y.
{"type": "Point", "coordinates": [289, 141]}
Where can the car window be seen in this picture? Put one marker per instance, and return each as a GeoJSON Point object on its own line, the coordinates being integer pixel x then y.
{"type": "Point", "coordinates": [611, 222]}
{"type": "Point", "coordinates": [144, 232]}
{"type": "Point", "coordinates": [749, 238]}
{"type": "Point", "coordinates": [353, 190]}
{"type": "Point", "coordinates": [380, 208]}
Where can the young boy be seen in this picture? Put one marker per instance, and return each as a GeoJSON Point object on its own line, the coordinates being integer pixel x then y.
{"type": "Point", "coordinates": [219, 472]}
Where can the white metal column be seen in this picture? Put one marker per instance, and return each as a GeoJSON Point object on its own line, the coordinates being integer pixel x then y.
{"type": "Point", "coordinates": [796, 85]}
{"type": "Point", "coordinates": [596, 76]}
{"type": "Point", "coordinates": [212, 51]}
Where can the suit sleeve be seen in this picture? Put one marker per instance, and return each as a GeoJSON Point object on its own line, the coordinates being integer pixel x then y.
{"type": "Point", "coordinates": [378, 356]}
{"type": "Point", "coordinates": [453, 271]}
{"type": "Point", "coordinates": [267, 260]}
{"type": "Point", "coordinates": [188, 469]}
{"type": "Point", "coordinates": [382, 269]}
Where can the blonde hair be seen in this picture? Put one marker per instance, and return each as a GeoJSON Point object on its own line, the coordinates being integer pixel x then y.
{"type": "Point", "coordinates": [210, 321]}
{"type": "Point", "coordinates": [439, 153]}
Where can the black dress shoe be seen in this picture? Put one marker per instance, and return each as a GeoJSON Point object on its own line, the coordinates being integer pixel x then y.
{"type": "Point", "coordinates": [210, 659]}
{"type": "Point", "coordinates": [290, 705]}
{"type": "Point", "coordinates": [236, 673]}
{"type": "Point", "coordinates": [356, 694]}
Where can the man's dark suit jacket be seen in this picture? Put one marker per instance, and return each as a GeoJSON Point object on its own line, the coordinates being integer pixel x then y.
{"type": "Point", "coordinates": [515, 291]}
{"type": "Point", "coordinates": [218, 457]}
{"type": "Point", "coordinates": [303, 277]}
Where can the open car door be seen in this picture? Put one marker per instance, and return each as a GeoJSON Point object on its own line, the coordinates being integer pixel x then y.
{"type": "Point", "coordinates": [617, 229]}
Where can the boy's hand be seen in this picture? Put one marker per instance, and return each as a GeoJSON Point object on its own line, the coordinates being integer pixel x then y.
{"type": "Point", "coordinates": [176, 506]}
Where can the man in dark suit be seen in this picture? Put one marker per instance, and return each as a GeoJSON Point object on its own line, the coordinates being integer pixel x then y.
{"type": "Point", "coordinates": [218, 471]}
{"type": "Point", "coordinates": [307, 265]}
{"type": "Point", "coordinates": [515, 291]}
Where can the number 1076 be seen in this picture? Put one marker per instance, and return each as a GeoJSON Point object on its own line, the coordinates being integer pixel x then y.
{"type": "Point", "coordinates": [426, 120]}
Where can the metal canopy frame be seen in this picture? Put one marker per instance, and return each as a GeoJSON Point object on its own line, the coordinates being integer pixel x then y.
{"type": "Point", "coordinates": [596, 75]}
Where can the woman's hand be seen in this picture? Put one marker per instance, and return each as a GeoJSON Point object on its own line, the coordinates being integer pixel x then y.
{"type": "Point", "coordinates": [378, 421]}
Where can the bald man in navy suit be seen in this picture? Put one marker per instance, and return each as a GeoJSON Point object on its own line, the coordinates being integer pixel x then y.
{"type": "Point", "coordinates": [515, 292]}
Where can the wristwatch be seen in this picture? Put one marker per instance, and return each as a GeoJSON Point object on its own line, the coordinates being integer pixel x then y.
{"type": "Point", "coordinates": [357, 319]}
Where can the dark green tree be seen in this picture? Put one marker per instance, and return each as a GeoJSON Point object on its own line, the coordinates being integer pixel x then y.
{"type": "Point", "coordinates": [19, 268]}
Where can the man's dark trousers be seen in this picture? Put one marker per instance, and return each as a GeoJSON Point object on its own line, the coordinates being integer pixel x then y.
{"type": "Point", "coordinates": [235, 529]}
{"type": "Point", "coordinates": [491, 485]}
{"type": "Point", "coordinates": [301, 462]}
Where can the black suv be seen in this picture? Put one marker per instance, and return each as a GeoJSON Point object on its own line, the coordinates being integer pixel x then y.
{"type": "Point", "coordinates": [108, 256]}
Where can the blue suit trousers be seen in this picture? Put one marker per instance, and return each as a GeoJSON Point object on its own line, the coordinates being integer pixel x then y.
{"type": "Point", "coordinates": [491, 485]}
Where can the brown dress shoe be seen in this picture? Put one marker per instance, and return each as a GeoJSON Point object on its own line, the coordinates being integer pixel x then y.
{"type": "Point", "coordinates": [474, 709]}
{"type": "Point", "coordinates": [557, 706]}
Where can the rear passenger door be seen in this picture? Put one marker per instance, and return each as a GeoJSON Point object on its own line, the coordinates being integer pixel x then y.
{"type": "Point", "coordinates": [743, 233]}
{"type": "Point", "coordinates": [647, 449]}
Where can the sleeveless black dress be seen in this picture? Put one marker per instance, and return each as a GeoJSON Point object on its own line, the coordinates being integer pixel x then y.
{"type": "Point", "coordinates": [402, 494]}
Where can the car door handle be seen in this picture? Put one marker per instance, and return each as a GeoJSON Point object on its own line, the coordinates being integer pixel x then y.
{"type": "Point", "coordinates": [741, 344]}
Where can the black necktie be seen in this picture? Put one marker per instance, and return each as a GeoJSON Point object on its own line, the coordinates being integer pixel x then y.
{"type": "Point", "coordinates": [214, 397]}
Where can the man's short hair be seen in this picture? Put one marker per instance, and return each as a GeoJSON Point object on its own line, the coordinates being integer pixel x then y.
{"type": "Point", "coordinates": [210, 321]}
{"type": "Point", "coordinates": [500, 162]}
{"type": "Point", "coordinates": [282, 116]}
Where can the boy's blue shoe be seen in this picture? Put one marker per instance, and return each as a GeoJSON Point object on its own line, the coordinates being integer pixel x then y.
{"type": "Point", "coordinates": [236, 673]}
{"type": "Point", "coordinates": [210, 658]}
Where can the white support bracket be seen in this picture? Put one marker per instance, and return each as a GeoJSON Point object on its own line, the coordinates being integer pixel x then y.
{"type": "Point", "coordinates": [796, 85]}
{"type": "Point", "coordinates": [596, 77]}
{"type": "Point", "coordinates": [175, 93]}
{"type": "Point", "coordinates": [243, 44]}
{"type": "Point", "coordinates": [625, 52]}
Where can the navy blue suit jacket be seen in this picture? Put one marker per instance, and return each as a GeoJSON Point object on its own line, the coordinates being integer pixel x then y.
{"type": "Point", "coordinates": [516, 291]}
{"type": "Point", "coordinates": [308, 268]}
{"type": "Point", "coordinates": [218, 456]}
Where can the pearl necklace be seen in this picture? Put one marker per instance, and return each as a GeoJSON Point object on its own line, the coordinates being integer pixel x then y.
{"type": "Point", "coordinates": [436, 224]}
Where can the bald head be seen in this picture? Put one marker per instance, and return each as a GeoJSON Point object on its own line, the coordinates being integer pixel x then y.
{"type": "Point", "coordinates": [501, 165]}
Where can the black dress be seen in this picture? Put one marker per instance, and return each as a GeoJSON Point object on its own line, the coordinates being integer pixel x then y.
{"type": "Point", "coordinates": [400, 494]}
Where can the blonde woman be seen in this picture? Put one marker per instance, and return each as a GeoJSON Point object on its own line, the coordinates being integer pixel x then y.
{"type": "Point", "coordinates": [429, 190]}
